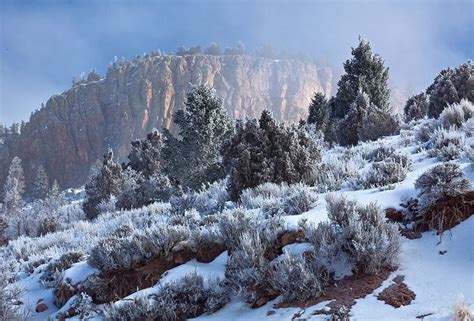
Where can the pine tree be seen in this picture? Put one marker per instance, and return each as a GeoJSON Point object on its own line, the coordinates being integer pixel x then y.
{"type": "Point", "coordinates": [14, 187]}
{"type": "Point", "coordinates": [102, 186]}
{"type": "Point", "coordinates": [41, 184]}
{"type": "Point", "coordinates": [319, 112]}
{"type": "Point", "coordinates": [193, 159]}
{"type": "Point", "coordinates": [366, 72]}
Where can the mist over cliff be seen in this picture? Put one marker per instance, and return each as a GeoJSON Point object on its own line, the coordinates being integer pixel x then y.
{"type": "Point", "coordinates": [75, 128]}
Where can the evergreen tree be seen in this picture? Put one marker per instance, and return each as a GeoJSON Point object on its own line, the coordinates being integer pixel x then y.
{"type": "Point", "coordinates": [143, 183]}
{"type": "Point", "coordinates": [41, 184]}
{"type": "Point", "coordinates": [349, 127]}
{"type": "Point", "coordinates": [14, 187]}
{"type": "Point", "coordinates": [145, 155]}
{"type": "Point", "coordinates": [366, 72]}
{"type": "Point", "coordinates": [377, 123]}
{"type": "Point", "coordinates": [266, 151]}
{"type": "Point", "coordinates": [319, 112]}
{"type": "Point", "coordinates": [450, 86]}
{"type": "Point", "coordinates": [102, 186]}
{"type": "Point", "coordinates": [54, 191]}
{"type": "Point", "coordinates": [416, 107]}
{"type": "Point", "coordinates": [193, 159]}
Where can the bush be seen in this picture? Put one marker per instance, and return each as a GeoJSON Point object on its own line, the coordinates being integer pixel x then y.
{"type": "Point", "coordinates": [425, 130]}
{"type": "Point", "coordinates": [297, 278]}
{"type": "Point", "coordinates": [439, 182]}
{"type": "Point", "coordinates": [248, 270]}
{"type": "Point", "coordinates": [335, 171]}
{"type": "Point", "coordinates": [390, 171]}
{"type": "Point", "coordinates": [447, 144]}
{"type": "Point", "coordinates": [299, 199]}
{"type": "Point", "coordinates": [456, 115]}
{"type": "Point", "coordinates": [186, 298]}
{"type": "Point", "coordinates": [273, 198]}
{"type": "Point", "coordinates": [115, 252]}
{"type": "Point", "coordinates": [10, 296]}
{"type": "Point", "coordinates": [210, 200]}
{"type": "Point", "coordinates": [356, 235]}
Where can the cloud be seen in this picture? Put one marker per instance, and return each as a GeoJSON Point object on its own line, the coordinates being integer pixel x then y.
{"type": "Point", "coordinates": [46, 43]}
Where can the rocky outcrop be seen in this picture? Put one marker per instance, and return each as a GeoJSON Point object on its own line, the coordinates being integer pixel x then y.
{"type": "Point", "coordinates": [75, 128]}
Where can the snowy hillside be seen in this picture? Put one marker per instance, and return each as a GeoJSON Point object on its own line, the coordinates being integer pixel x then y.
{"type": "Point", "coordinates": [436, 268]}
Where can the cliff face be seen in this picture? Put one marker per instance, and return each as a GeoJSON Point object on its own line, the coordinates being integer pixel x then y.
{"type": "Point", "coordinates": [75, 128]}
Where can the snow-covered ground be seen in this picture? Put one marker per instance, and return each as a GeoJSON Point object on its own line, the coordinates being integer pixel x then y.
{"type": "Point", "coordinates": [437, 279]}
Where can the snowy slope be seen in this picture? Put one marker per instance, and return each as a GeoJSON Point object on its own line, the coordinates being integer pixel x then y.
{"type": "Point", "coordinates": [436, 279]}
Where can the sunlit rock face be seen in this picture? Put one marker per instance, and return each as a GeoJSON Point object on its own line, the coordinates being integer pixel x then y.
{"type": "Point", "coordinates": [76, 127]}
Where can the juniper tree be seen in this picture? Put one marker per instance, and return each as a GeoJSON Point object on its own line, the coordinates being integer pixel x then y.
{"type": "Point", "coordinates": [319, 112]}
{"type": "Point", "coordinates": [450, 86]}
{"type": "Point", "coordinates": [377, 123]}
{"type": "Point", "coordinates": [193, 158]}
{"type": "Point", "coordinates": [347, 132]}
{"type": "Point", "coordinates": [102, 186]}
{"type": "Point", "coordinates": [14, 187]}
{"type": "Point", "coordinates": [266, 151]}
{"type": "Point", "coordinates": [416, 107]}
{"type": "Point", "coordinates": [145, 154]}
{"type": "Point", "coordinates": [41, 184]}
{"type": "Point", "coordinates": [364, 71]}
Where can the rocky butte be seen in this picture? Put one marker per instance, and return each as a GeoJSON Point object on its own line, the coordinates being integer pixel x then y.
{"type": "Point", "coordinates": [75, 128]}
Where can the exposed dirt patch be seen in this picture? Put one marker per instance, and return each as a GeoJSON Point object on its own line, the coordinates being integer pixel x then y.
{"type": "Point", "coordinates": [397, 294]}
{"type": "Point", "coordinates": [343, 293]}
{"type": "Point", "coordinates": [394, 215]}
{"type": "Point", "coordinates": [447, 213]}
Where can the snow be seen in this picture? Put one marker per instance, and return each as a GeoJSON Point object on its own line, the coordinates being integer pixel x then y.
{"type": "Point", "coordinates": [437, 279]}
{"type": "Point", "coordinates": [79, 272]}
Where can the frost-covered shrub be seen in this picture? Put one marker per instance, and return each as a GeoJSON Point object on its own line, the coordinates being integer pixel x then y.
{"type": "Point", "coordinates": [355, 235]}
{"type": "Point", "coordinates": [447, 144]}
{"type": "Point", "coordinates": [468, 127]}
{"type": "Point", "coordinates": [299, 199]}
{"type": "Point", "coordinates": [335, 171]}
{"type": "Point", "coordinates": [186, 298]}
{"type": "Point", "coordinates": [233, 224]}
{"type": "Point", "coordinates": [441, 181]}
{"type": "Point", "coordinates": [210, 200]}
{"type": "Point", "coordinates": [10, 296]}
{"type": "Point", "coordinates": [115, 252]}
{"type": "Point", "coordinates": [425, 130]}
{"type": "Point", "coordinates": [83, 306]}
{"type": "Point", "coordinates": [390, 171]}
{"type": "Point", "coordinates": [297, 278]}
{"type": "Point", "coordinates": [456, 115]}
{"type": "Point", "coordinates": [379, 153]}
{"type": "Point", "coordinates": [273, 199]}
{"type": "Point", "coordinates": [248, 270]}
{"type": "Point", "coordinates": [52, 274]}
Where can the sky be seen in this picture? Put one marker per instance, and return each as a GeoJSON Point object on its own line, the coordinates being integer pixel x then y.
{"type": "Point", "coordinates": [44, 44]}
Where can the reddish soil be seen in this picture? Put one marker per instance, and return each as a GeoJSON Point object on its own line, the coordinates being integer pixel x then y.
{"type": "Point", "coordinates": [343, 293]}
{"type": "Point", "coordinates": [397, 294]}
{"type": "Point", "coordinates": [394, 215]}
{"type": "Point", "coordinates": [447, 213]}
